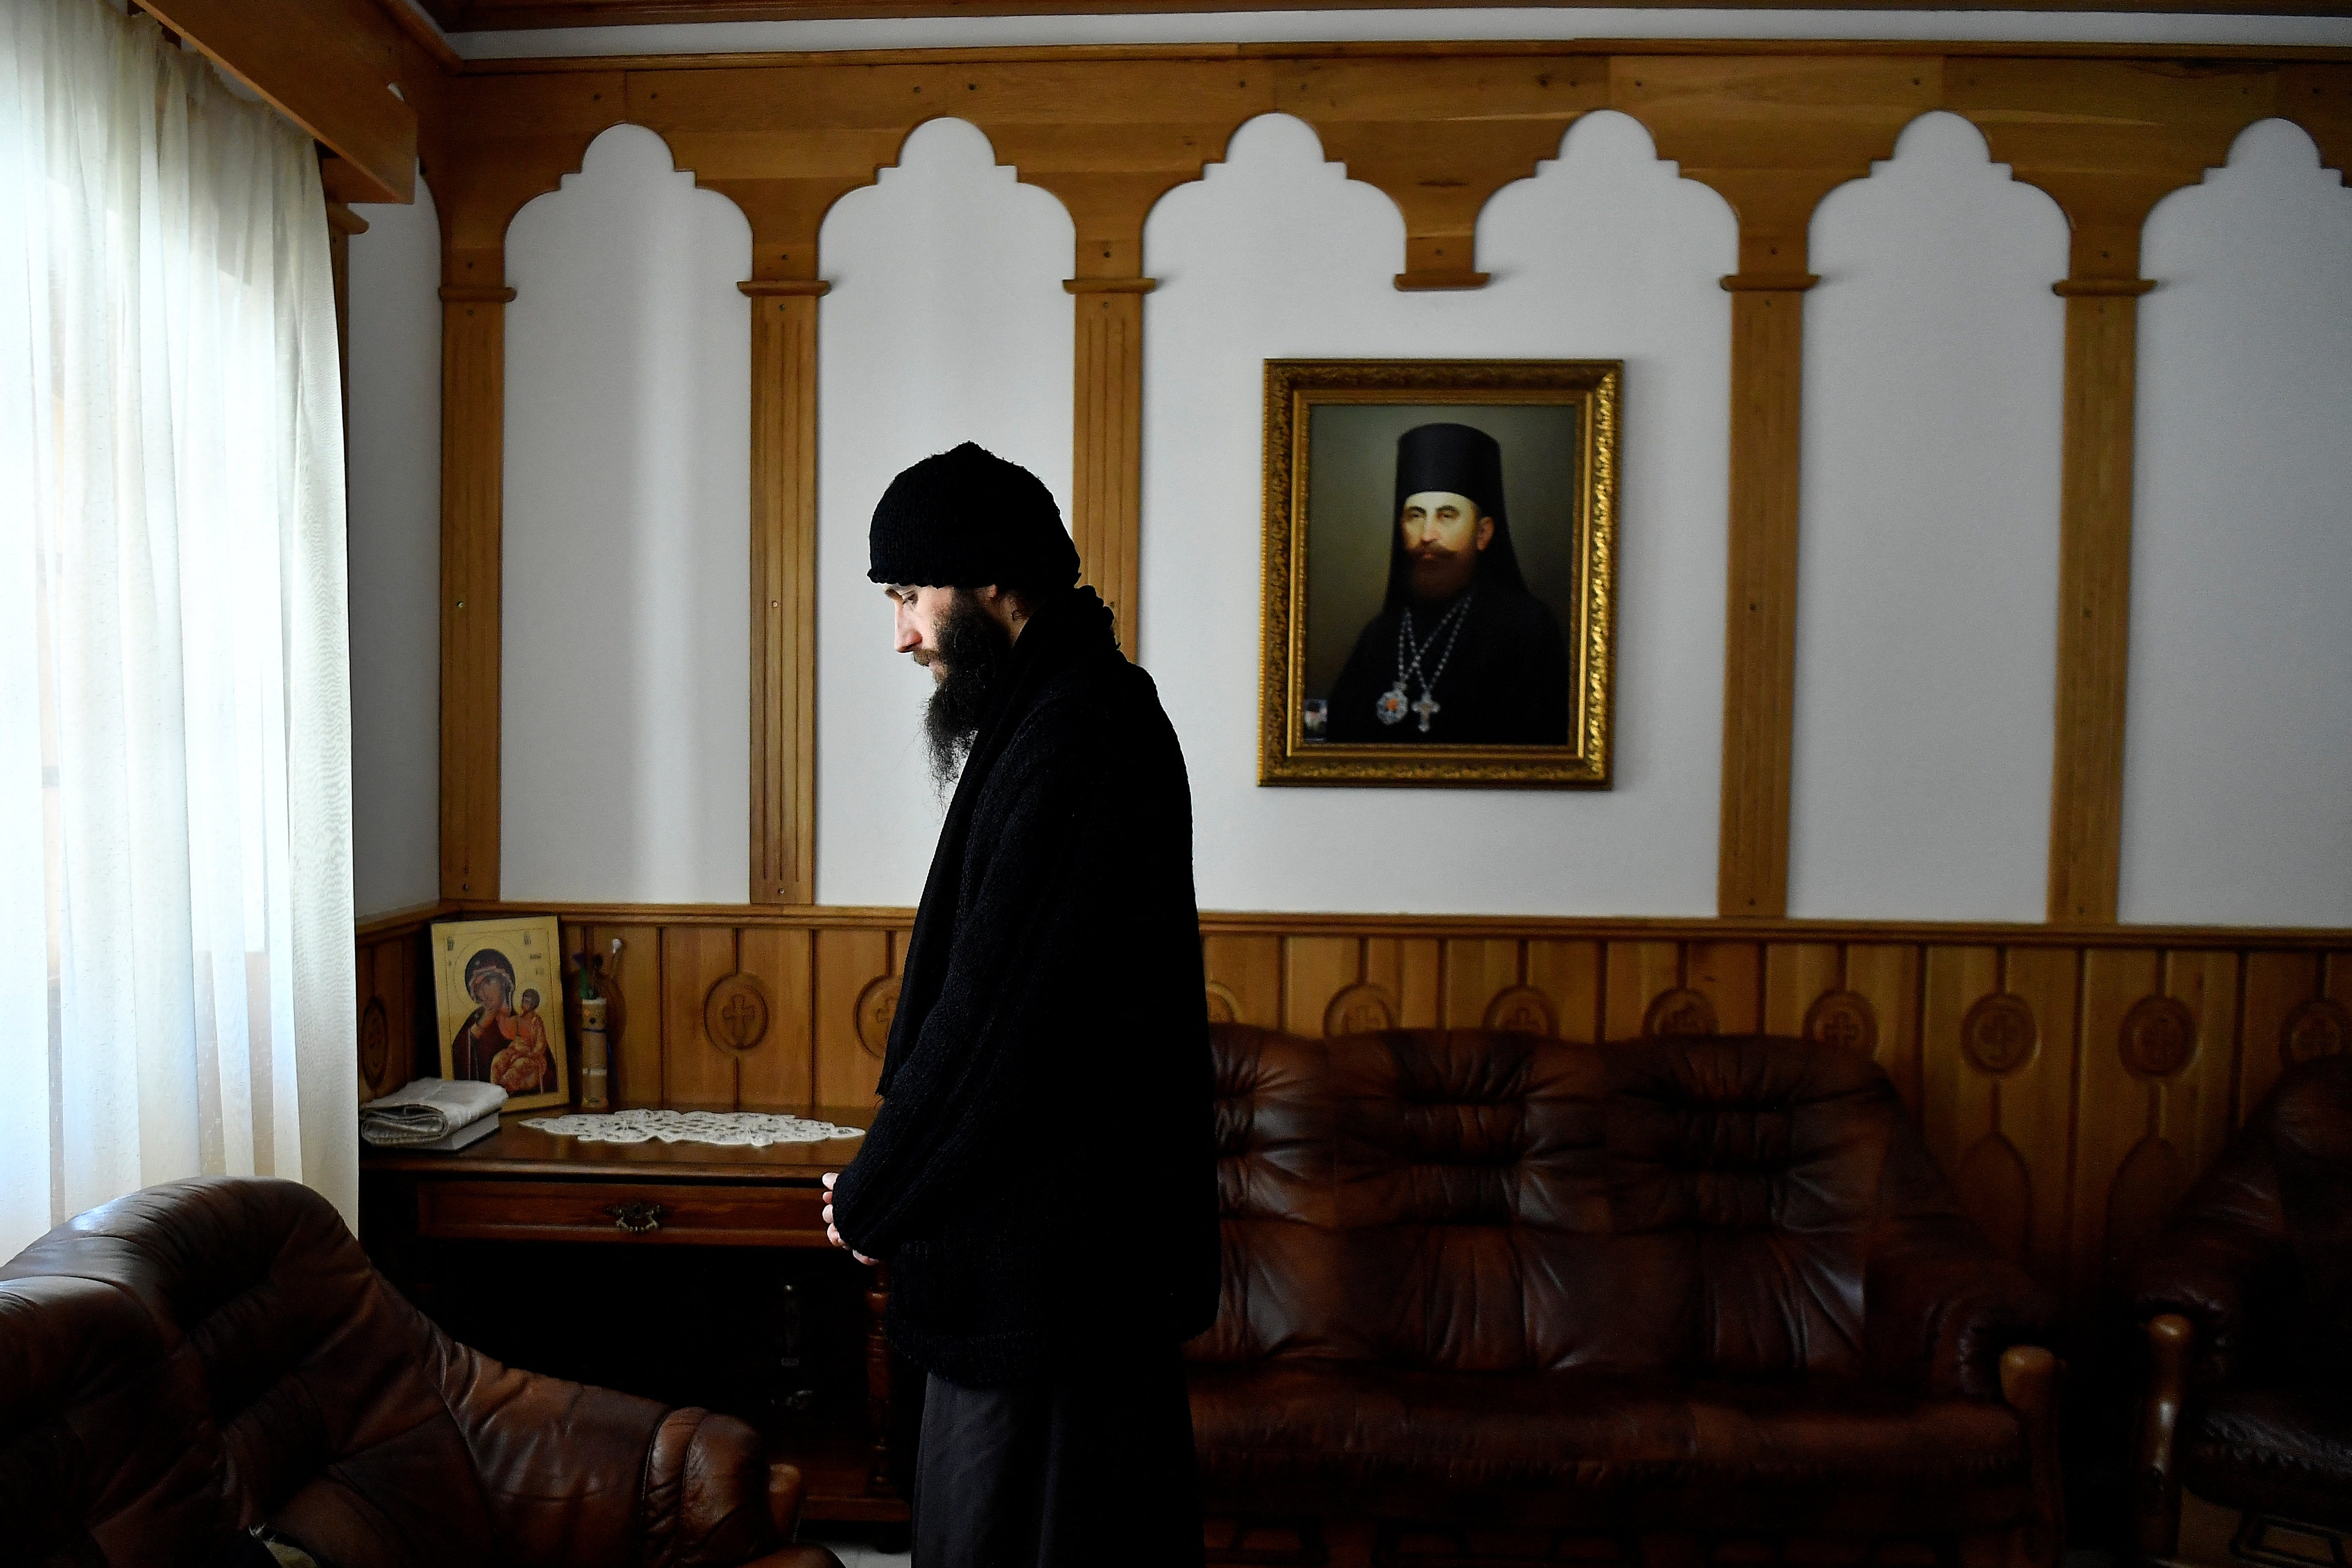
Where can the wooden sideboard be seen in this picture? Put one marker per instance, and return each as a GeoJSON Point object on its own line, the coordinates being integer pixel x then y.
{"type": "Point", "coordinates": [422, 1215]}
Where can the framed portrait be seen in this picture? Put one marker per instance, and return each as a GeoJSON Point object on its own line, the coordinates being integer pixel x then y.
{"type": "Point", "coordinates": [498, 989]}
{"type": "Point", "coordinates": [1440, 556]}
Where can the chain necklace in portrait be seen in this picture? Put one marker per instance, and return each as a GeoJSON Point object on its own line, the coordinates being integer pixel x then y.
{"type": "Point", "coordinates": [1390, 705]}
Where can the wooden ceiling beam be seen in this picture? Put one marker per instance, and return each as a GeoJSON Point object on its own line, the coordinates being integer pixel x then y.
{"type": "Point", "coordinates": [488, 15]}
{"type": "Point", "coordinates": [331, 67]}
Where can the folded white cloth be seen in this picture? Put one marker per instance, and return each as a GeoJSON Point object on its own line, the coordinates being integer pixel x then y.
{"type": "Point", "coordinates": [426, 1109]}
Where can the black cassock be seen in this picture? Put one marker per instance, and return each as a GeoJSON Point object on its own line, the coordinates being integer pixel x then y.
{"type": "Point", "coordinates": [1505, 684]}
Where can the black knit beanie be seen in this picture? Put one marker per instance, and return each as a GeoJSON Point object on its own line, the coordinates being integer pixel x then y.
{"type": "Point", "coordinates": [967, 519]}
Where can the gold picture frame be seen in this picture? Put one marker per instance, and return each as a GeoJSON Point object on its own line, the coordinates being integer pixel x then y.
{"type": "Point", "coordinates": [1554, 423]}
{"type": "Point", "coordinates": [498, 990]}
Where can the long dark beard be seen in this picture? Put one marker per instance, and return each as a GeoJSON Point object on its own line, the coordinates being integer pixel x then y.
{"type": "Point", "coordinates": [973, 650]}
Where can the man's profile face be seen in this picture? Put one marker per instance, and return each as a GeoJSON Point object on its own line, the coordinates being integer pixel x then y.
{"type": "Point", "coordinates": [917, 614]}
{"type": "Point", "coordinates": [1443, 535]}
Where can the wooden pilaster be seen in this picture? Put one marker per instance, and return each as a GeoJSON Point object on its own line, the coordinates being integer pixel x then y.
{"type": "Point", "coordinates": [1760, 653]}
{"type": "Point", "coordinates": [783, 589]}
{"type": "Point", "coordinates": [1107, 445]}
{"type": "Point", "coordinates": [2095, 523]}
{"type": "Point", "coordinates": [473, 478]}
{"type": "Point", "coordinates": [1833, 115]}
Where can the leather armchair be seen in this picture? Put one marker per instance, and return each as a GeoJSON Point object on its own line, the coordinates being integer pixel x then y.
{"type": "Point", "coordinates": [206, 1356]}
{"type": "Point", "coordinates": [1487, 1292]}
{"type": "Point", "coordinates": [2245, 1301]}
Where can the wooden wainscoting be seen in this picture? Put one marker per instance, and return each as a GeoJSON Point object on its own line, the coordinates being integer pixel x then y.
{"type": "Point", "coordinates": [2072, 1082]}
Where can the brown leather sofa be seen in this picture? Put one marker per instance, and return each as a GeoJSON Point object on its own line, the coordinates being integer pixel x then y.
{"type": "Point", "coordinates": [2245, 1438]}
{"type": "Point", "coordinates": [206, 1356]}
{"type": "Point", "coordinates": [1492, 1297]}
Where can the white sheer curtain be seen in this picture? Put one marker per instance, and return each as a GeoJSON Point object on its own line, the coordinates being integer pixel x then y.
{"type": "Point", "coordinates": [175, 907]}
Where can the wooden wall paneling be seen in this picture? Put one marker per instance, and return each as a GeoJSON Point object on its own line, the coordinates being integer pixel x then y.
{"type": "Point", "coordinates": [2156, 1081]}
{"type": "Point", "coordinates": [783, 590]}
{"type": "Point", "coordinates": [696, 1074]}
{"type": "Point", "coordinates": [571, 940]}
{"type": "Point", "coordinates": [1107, 446]}
{"type": "Point", "coordinates": [2086, 780]}
{"type": "Point", "coordinates": [1960, 1103]}
{"type": "Point", "coordinates": [1314, 971]}
{"type": "Point", "coordinates": [2276, 985]}
{"type": "Point", "coordinates": [2037, 1100]}
{"type": "Point", "coordinates": [1477, 972]}
{"type": "Point", "coordinates": [2193, 1103]}
{"type": "Point", "coordinates": [1440, 136]}
{"type": "Point", "coordinates": [1413, 968]}
{"type": "Point", "coordinates": [2124, 1169]}
{"type": "Point", "coordinates": [779, 1072]}
{"type": "Point", "coordinates": [1886, 976]}
{"type": "Point", "coordinates": [2106, 139]}
{"type": "Point", "coordinates": [1570, 975]}
{"type": "Point", "coordinates": [1636, 975]}
{"type": "Point", "coordinates": [469, 15]}
{"type": "Point", "coordinates": [1774, 134]}
{"type": "Point", "coordinates": [387, 970]}
{"type": "Point", "coordinates": [1108, 142]}
{"type": "Point", "coordinates": [633, 1025]}
{"type": "Point", "coordinates": [1760, 637]}
{"type": "Point", "coordinates": [327, 65]}
{"type": "Point", "coordinates": [497, 143]}
{"type": "Point", "coordinates": [2319, 98]}
{"type": "Point", "coordinates": [735, 130]}
{"type": "Point", "coordinates": [850, 964]}
{"type": "Point", "coordinates": [1796, 975]}
{"type": "Point", "coordinates": [473, 478]}
{"type": "Point", "coordinates": [1730, 975]}
{"type": "Point", "coordinates": [1246, 973]}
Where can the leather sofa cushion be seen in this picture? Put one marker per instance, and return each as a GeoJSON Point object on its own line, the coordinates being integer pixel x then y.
{"type": "Point", "coordinates": [1704, 1205]}
{"type": "Point", "coordinates": [1603, 1449]}
{"type": "Point", "coordinates": [2285, 1451]}
{"type": "Point", "coordinates": [1279, 1273]}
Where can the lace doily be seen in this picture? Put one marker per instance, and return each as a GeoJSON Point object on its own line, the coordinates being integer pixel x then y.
{"type": "Point", "coordinates": [727, 1129]}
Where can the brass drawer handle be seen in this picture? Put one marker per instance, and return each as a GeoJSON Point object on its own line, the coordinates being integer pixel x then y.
{"type": "Point", "coordinates": [637, 1219]}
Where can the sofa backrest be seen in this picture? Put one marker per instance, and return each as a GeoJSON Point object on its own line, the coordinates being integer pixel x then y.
{"type": "Point", "coordinates": [208, 1356]}
{"type": "Point", "coordinates": [1500, 1202]}
{"type": "Point", "coordinates": [1279, 1264]}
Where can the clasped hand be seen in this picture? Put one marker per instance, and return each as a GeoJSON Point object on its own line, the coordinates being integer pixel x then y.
{"type": "Point", "coordinates": [832, 1233]}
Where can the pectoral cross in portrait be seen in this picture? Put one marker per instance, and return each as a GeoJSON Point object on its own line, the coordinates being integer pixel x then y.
{"type": "Point", "coordinates": [1426, 708]}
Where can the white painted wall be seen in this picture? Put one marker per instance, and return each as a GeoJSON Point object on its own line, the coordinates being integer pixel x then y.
{"type": "Point", "coordinates": [1927, 616]}
{"type": "Point", "coordinates": [627, 623]}
{"type": "Point", "coordinates": [947, 323]}
{"type": "Point", "coordinates": [1926, 596]}
{"type": "Point", "coordinates": [1605, 254]}
{"type": "Point", "coordinates": [394, 469]}
{"type": "Point", "coordinates": [2237, 764]}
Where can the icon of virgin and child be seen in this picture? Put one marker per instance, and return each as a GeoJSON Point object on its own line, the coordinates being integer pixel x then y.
{"type": "Point", "coordinates": [503, 1040]}
{"type": "Point", "coordinates": [1460, 652]}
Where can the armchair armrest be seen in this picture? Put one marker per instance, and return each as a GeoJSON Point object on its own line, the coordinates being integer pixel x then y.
{"type": "Point", "coordinates": [578, 1477]}
{"type": "Point", "coordinates": [2210, 1264]}
{"type": "Point", "coordinates": [1940, 1309]}
{"type": "Point", "coordinates": [710, 1494]}
{"type": "Point", "coordinates": [2156, 1494]}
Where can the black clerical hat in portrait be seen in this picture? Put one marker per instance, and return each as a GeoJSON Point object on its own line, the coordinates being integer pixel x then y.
{"type": "Point", "coordinates": [1465, 461]}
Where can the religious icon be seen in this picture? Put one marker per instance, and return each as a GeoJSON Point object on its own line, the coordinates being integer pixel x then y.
{"type": "Point", "coordinates": [498, 987]}
{"type": "Point", "coordinates": [1439, 544]}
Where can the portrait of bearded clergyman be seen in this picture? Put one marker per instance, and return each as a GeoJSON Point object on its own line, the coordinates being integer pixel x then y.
{"type": "Point", "coordinates": [1460, 653]}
